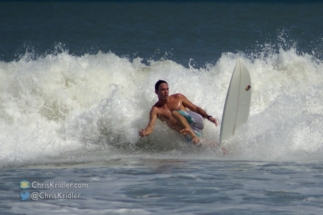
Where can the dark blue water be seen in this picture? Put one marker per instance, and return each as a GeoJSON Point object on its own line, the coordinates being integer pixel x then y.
{"type": "Point", "coordinates": [175, 30]}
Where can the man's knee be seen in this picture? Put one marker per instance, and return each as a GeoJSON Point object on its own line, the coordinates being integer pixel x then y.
{"type": "Point", "coordinates": [176, 113]}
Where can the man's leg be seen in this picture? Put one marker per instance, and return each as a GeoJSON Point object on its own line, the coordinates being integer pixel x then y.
{"type": "Point", "coordinates": [187, 128]}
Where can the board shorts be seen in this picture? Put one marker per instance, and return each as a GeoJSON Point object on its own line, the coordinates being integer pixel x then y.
{"type": "Point", "coordinates": [195, 121]}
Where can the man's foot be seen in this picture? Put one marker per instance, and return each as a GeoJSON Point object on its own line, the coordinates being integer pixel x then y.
{"type": "Point", "coordinates": [224, 151]}
{"type": "Point", "coordinates": [189, 132]}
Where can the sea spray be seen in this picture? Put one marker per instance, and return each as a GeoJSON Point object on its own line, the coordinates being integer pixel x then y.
{"type": "Point", "coordinates": [63, 107]}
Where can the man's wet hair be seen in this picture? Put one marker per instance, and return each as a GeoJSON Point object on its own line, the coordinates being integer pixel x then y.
{"type": "Point", "coordinates": [159, 83]}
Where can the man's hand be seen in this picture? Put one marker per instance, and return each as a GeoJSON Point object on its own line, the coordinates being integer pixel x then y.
{"type": "Point", "coordinates": [212, 119]}
{"type": "Point", "coordinates": [142, 133]}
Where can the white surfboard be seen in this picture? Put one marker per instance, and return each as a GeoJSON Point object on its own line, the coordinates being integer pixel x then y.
{"type": "Point", "coordinates": [237, 104]}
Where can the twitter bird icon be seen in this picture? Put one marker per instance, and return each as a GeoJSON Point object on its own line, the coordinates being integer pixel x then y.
{"type": "Point", "coordinates": [24, 195]}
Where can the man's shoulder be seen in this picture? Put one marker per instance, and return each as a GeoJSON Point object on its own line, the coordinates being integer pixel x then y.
{"type": "Point", "coordinates": [177, 95]}
{"type": "Point", "coordinates": [156, 107]}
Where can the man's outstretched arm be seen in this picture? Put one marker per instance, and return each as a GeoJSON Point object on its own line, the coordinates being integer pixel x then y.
{"type": "Point", "coordinates": [188, 104]}
{"type": "Point", "coordinates": [150, 127]}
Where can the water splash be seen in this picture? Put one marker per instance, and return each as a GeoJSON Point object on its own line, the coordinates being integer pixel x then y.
{"type": "Point", "coordinates": [59, 106]}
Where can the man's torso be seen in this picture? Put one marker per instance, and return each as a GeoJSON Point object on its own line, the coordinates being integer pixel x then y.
{"type": "Point", "coordinates": [164, 112]}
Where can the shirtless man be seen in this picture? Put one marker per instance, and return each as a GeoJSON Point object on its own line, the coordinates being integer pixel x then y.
{"type": "Point", "coordinates": [173, 111]}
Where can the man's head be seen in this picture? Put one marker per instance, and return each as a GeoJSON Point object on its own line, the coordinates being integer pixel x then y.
{"type": "Point", "coordinates": [158, 83]}
{"type": "Point", "coordinates": [161, 89]}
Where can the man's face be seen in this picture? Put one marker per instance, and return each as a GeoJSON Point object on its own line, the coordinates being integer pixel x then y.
{"type": "Point", "coordinates": [162, 91]}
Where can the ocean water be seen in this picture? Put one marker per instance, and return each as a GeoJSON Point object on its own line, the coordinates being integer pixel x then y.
{"type": "Point", "coordinates": [77, 84]}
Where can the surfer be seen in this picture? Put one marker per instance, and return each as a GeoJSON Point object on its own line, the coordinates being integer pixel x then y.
{"type": "Point", "coordinates": [178, 113]}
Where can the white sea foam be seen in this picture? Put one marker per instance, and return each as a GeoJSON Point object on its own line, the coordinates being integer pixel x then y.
{"type": "Point", "coordinates": [63, 108]}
